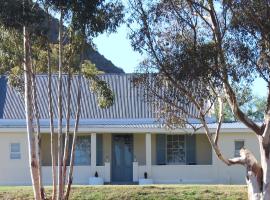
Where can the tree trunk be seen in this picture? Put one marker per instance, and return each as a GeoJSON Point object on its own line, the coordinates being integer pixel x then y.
{"type": "Point", "coordinates": [60, 117]}
{"type": "Point", "coordinates": [51, 126]}
{"type": "Point", "coordinates": [53, 160]}
{"type": "Point", "coordinates": [72, 156]}
{"type": "Point", "coordinates": [37, 125]}
{"type": "Point", "coordinates": [266, 178]}
{"type": "Point", "coordinates": [78, 112]}
{"type": "Point", "coordinates": [254, 191]}
{"type": "Point", "coordinates": [37, 136]}
{"type": "Point", "coordinates": [66, 148]}
{"type": "Point", "coordinates": [29, 117]}
{"type": "Point", "coordinates": [265, 162]}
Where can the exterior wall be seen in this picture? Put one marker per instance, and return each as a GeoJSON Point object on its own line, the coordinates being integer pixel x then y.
{"type": "Point", "coordinates": [81, 174]}
{"type": "Point", "coordinates": [173, 174]}
{"type": "Point", "coordinates": [139, 148]}
{"type": "Point", "coordinates": [205, 172]}
{"type": "Point", "coordinates": [107, 147]}
{"type": "Point", "coordinates": [46, 149]}
{"type": "Point", "coordinates": [154, 149]}
{"type": "Point", "coordinates": [203, 150]}
{"type": "Point", "coordinates": [234, 174]}
{"type": "Point", "coordinates": [16, 172]}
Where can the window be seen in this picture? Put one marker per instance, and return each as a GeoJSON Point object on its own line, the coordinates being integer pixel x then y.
{"type": "Point", "coordinates": [83, 150]}
{"type": "Point", "coordinates": [237, 146]}
{"type": "Point", "coordinates": [176, 150]}
{"type": "Point", "coordinates": [15, 151]}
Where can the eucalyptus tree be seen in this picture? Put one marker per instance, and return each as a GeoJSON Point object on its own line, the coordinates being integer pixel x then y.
{"type": "Point", "coordinates": [23, 18]}
{"type": "Point", "coordinates": [79, 22]}
{"type": "Point", "coordinates": [196, 52]}
{"type": "Point", "coordinates": [84, 20]}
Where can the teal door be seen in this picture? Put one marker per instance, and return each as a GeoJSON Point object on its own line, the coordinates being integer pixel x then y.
{"type": "Point", "coordinates": [122, 158]}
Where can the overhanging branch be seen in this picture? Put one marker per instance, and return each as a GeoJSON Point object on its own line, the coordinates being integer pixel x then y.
{"type": "Point", "coordinates": [231, 97]}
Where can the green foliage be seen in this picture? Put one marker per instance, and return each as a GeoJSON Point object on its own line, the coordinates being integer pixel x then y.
{"type": "Point", "coordinates": [15, 79]}
{"type": "Point", "coordinates": [253, 106]}
{"type": "Point", "coordinates": [104, 94]}
{"type": "Point", "coordinates": [11, 56]}
{"type": "Point", "coordinates": [17, 13]}
{"type": "Point", "coordinates": [200, 50]}
{"type": "Point", "coordinates": [90, 17]}
{"type": "Point", "coordinates": [84, 20]}
{"type": "Point", "coordinates": [255, 109]}
{"type": "Point", "coordinates": [11, 49]}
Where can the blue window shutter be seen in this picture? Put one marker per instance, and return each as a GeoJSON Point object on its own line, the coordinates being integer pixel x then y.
{"type": "Point", "coordinates": [161, 149]}
{"type": "Point", "coordinates": [191, 149]}
{"type": "Point", "coordinates": [99, 149]}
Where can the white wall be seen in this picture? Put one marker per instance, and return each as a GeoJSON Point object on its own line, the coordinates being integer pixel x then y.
{"type": "Point", "coordinates": [234, 174]}
{"type": "Point", "coordinates": [217, 173]}
{"type": "Point", "coordinates": [139, 148]}
{"type": "Point", "coordinates": [180, 173]}
{"type": "Point", "coordinates": [81, 174]}
{"type": "Point", "coordinates": [16, 172]}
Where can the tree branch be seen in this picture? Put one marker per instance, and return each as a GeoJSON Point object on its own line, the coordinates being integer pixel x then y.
{"type": "Point", "coordinates": [231, 97]}
{"type": "Point", "coordinates": [221, 116]}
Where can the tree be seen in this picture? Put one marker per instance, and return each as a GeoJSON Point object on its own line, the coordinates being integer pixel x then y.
{"type": "Point", "coordinates": [251, 104]}
{"type": "Point", "coordinates": [83, 20]}
{"type": "Point", "coordinates": [86, 20]}
{"type": "Point", "coordinates": [196, 53]}
{"type": "Point", "coordinates": [25, 20]}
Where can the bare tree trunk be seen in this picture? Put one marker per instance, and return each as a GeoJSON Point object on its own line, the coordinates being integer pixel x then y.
{"type": "Point", "coordinates": [254, 192]}
{"type": "Point", "coordinates": [53, 160]}
{"type": "Point", "coordinates": [265, 162]}
{"type": "Point", "coordinates": [33, 162]}
{"type": "Point", "coordinates": [37, 136]}
{"type": "Point", "coordinates": [51, 125]}
{"type": "Point", "coordinates": [66, 148]}
{"type": "Point", "coordinates": [72, 156]}
{"type": "Point", "coordinates": [60, 117]}
{"type": "Point", "coordinates": [253, 176]}
{"type": "Point", "coordinates": [78, 112]}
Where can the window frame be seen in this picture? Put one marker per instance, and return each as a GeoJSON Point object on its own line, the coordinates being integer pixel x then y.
{"type": "Point", "coordinates": [15, 155]}
{"type": "Point", "coordinates": [185, 149]}
{"type": "Point", "coordinates": [237, 152]}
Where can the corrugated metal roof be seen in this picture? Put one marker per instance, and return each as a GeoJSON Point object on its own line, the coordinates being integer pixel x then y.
{"type": "Point", "coordinates": [121, 125]}
{"type": "Point", "coordinates": [129, 100]}
{"type": "Point", "coordinates": [129, 111]}
{"type": "Point", "coordinates": [87, 123]}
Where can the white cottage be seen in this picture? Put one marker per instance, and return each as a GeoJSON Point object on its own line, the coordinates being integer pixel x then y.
{"type": "Point", "coordinates": [122, 143]}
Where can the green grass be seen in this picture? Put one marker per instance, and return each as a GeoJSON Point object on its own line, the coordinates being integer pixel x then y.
{"type": "Point", "coordinates": [153, 192]}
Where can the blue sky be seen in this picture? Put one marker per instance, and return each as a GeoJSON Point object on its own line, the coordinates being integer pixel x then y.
{"type": "Point", "coordinates": [116, 47]}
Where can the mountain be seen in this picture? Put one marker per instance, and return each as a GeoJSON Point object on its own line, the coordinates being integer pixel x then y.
{"type": "Point", "coordinates": [101, 62]}
{"type": "Point", "coordinates": [92, 55]}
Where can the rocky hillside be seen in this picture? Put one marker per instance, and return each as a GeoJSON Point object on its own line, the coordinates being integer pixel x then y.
{"type": "Point", "coordinates": [94, 56]}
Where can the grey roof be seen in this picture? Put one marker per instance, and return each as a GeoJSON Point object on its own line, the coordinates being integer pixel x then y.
{"type": "Point", "coordinates": [125, 125]}
{"type": "Point", "coordinates": [129, 110]}
{"type": "Point", "coordinates": [129, 100]}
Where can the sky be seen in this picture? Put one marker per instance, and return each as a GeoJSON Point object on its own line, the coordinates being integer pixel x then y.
{"type": "Point", "coordinates": [117, 48]}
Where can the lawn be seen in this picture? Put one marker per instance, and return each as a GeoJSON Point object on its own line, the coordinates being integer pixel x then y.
{"type": "Point", "coordinates": [153, 192]}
